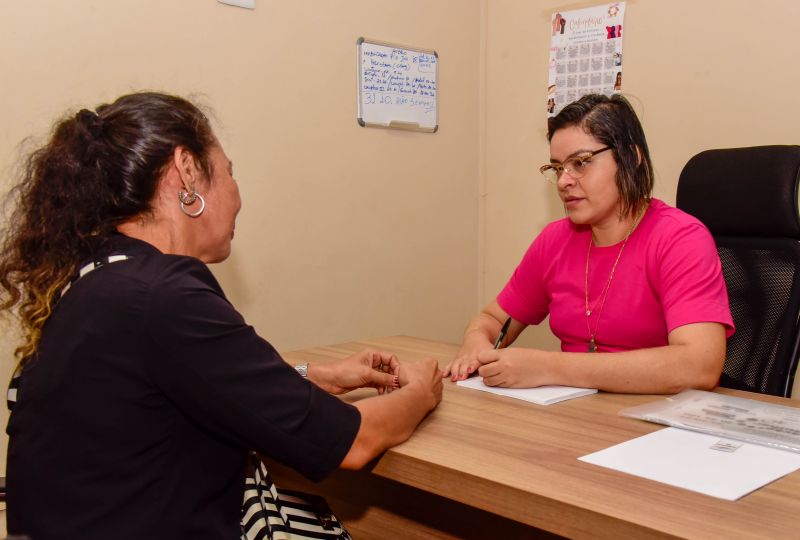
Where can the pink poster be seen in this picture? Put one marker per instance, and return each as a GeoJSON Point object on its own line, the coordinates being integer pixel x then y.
{"type": "Point", "coordinates": [585, 54]}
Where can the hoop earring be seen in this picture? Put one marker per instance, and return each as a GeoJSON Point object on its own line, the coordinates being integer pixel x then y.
{"type": "Point", "coordinates": [188, 199]}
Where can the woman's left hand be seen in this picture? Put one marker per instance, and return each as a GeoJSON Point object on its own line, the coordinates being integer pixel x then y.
{"type": "Point", "coordinates": [512, 368]}
{"type": "Point", "coordinates": [369, 368]}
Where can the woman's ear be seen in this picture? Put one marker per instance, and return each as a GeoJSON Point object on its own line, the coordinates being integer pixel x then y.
{"type": "Point", "coordinates": [186, 165]}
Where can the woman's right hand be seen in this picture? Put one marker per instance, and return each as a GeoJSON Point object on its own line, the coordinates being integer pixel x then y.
{"type": "Point", "coordinates": [466, 361]}
{"type": "Point", "coordinates": [481, 332]}
{"type": "Point", "coordinates": [425, 377]}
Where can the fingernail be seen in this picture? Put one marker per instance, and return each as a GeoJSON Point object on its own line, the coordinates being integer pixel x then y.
{"type": "Point", "coordinates": [396, 381]}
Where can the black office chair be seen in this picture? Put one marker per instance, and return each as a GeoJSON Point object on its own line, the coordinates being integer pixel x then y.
{"type": "Point", "coordinates": [747, 197]}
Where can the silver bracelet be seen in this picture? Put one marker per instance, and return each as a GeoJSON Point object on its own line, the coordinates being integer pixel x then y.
{"type": "Point", "coordinates": [302, 369]}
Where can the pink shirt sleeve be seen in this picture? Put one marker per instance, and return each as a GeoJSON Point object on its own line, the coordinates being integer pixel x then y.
{"type": "Point", "coordinates": [690, 279]}
{"type": "Point", "coordinates": [525, 297]}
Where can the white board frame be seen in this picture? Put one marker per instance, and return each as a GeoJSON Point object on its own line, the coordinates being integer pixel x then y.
{"type": "Point", "coordinates": [407, 118]}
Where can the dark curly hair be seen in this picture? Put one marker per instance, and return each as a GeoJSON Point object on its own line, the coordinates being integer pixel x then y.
{"type": "Point", "coordinates": [98, 170]}
{"type": "Point", "coordinates": [613, 122]}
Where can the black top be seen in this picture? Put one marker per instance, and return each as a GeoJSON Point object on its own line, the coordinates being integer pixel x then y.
{"type": "Point", "coordinates": [134, 417]}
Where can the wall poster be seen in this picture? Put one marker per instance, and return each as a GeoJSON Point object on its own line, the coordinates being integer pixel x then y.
{"type": "Point", "coordinates": [585, 54]}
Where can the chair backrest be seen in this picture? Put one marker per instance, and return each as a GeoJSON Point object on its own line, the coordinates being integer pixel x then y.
{"type": "Point", "coordinates": [748, 199]}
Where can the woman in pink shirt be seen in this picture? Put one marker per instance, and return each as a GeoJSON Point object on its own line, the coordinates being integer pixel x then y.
{"type": "Point", "coordinates": [623, 274]}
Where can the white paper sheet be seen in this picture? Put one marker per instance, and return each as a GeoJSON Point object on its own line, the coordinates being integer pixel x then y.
{"type": "Point", "coordinates": [542, 395]}
{"type": "Point", "coordinates": [686, 459]}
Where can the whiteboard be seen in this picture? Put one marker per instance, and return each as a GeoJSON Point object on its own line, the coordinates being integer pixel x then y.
{"type": "Point", "coordinates": [397, 86]}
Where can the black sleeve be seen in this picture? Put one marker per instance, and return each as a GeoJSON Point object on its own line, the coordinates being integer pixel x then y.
{"type": "Point", "coordinates": [220, 373]}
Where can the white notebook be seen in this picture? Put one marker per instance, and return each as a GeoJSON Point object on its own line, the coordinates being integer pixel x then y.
{"type": "Point", "coordinates": [541, 395]}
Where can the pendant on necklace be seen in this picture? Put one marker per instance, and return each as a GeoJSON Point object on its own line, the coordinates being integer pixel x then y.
{"type": "Point", "coordinates": [592, 345]}
{"type": "Point", "coordinates": [588, 312]}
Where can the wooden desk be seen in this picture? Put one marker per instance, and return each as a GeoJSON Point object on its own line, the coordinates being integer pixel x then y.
{"type": "Point", "coordinates": [519, 461]}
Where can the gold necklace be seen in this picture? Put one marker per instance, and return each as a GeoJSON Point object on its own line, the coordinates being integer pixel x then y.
{"type": "Point", "coordinates": [604, 293]}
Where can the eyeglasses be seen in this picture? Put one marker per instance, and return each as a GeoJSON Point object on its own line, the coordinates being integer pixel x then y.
{"type": "Point", "coordinates": [575, 166]}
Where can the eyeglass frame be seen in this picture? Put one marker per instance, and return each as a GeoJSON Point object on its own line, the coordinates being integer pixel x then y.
{"type": "Point", "coordinates": [560, 169]}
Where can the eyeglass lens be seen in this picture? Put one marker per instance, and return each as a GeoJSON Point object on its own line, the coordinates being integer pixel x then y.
{"type": "Point", "coordinates": [575, 167]}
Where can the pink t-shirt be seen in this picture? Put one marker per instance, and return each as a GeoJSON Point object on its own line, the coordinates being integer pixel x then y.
{"type": "Point", "coordinates": [669, 275]}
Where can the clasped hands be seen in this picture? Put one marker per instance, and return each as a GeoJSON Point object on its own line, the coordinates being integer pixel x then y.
{"type": "Point", "coordinates": [370, 369]}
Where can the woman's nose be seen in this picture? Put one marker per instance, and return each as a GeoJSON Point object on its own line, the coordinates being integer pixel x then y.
{"type": "Point", "coordinates": [566, 179]}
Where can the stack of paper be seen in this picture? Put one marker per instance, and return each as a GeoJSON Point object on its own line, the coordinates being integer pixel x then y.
{"type": "Point", "coordinates": [541, 395]}
{"type": "Point", "coordinates": [743, 419]}
{"type": "Point", "coordinates": [727, 446]}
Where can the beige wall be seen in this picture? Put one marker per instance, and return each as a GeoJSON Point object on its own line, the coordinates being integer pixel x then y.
{"type": "Point", "coordinates": [345, 232]}
{"type": "Point", "coordinates": [349, 232]}
{"type": "Point", "coordinates": [701, 74]}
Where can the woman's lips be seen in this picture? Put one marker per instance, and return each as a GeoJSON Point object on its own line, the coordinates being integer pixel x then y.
{"type": "Point", "coordinates": [570, 202]}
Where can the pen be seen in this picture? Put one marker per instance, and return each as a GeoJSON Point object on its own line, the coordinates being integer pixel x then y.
{"type": "Point", "coordinates": [502, 333]}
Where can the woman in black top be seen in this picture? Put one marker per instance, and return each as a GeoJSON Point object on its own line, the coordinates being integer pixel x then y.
{"type": "Point", "coordinates": [142, 388]}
